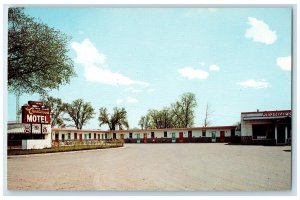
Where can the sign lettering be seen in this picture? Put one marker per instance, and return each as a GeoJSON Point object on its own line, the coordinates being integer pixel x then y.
{"type": "Point", "coordinates": [287, 113]}
{"type": "Point", "coordinates": [35, 115]}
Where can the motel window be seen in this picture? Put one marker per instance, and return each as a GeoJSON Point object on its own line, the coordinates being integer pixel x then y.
{"type": "Point", "coordinates": [63, 137]}
{"type": "Point", "coordinates": [130, 135]}
{"type": "Point", "coordinates": [203, 133]}
{"type": "Point", "coordinates": [69, 136]}
{"type": "Point", "coordinates": [75, 136]}
{"type": "Point", "coordinates": [165, 134]}
{"type": "Point", "coordinates": [105, 135]}
{"type": "Point", "coordinates": [190, 134]}
{"type": "Point", "coordinates": [95, 136]}
{"type": "Point", "coordinates": [263, 131]}
{"type": "Point", "coordinates": [152, 135]}
{"type": "Point", "coordinates": [90, 136]}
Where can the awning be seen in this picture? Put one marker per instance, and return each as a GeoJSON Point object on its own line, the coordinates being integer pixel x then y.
{"type": "Point", "coordinates": [264, 118]}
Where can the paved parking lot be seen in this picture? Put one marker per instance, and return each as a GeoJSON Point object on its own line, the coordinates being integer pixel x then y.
{"type": "Point", "coordinates": [156, 167]}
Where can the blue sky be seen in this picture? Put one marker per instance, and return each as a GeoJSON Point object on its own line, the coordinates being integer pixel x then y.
{"type": "Point", "coordinates": [234, 59]}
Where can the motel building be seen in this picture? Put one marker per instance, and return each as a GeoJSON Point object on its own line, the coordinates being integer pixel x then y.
{"type": "Point", "coordinates": [260, 128]}
{"type": "Point", "coordinates": [169, 135]}
{"type": "Point", "coordinates": [266, 127]}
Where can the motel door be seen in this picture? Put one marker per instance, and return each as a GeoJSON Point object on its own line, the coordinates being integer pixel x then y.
{"type": "Point", "coordinates": [138, 138]}
{"type": "Point", "coordinates": [222, 136]}
{"type": "Point", "coordinates": [173, 138]}
{"type": "Point", "coordinates": [180, 136]}
{"type": "Point", "coordinates": [213, 136]}
{"type": "Point", "coordinates": [85, 137]}
{"type": "Point", "coordinates": [80, 137]}
{"type": "Point", "coordinates": [145, 137]}
{"type": "Point", "coordinates": [122, 136]}
{"type": "Point", "coordinates": [56, 137]}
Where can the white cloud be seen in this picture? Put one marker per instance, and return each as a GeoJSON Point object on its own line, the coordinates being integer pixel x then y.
{"type": "Point", "coordinates": [260, 31]}
{"type": "Point", "coordinates": [191, 73]}
{"type": "Point", "coordinates": [127, 100]}
{"type": "Point", "coordinates": [133, 90]}
{"type": "Point", "coordinates": [285, 63]}
{"type": "Point", "coordinates": [151, 90]}
{"type": "Point", "coordinates": [202, 63]}
{"type": "Point", "coordinates": [87, 53]}
{"type": "Point", "coordinates": [214, 68]}
{"type": "Point", "coordinates": [255, 84]}
{"type": "Point", "coordinates": [96, 68]}
{"type": "Point", "coordinates": [119, 101]}
{"type": "Point", "coordinates": [131, 100]}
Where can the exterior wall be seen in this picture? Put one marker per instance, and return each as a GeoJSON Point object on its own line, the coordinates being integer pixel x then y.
{"type": "Point", "coordinates": [159, 134]}
{"type": "Point", "coordinates": [37, 144]}
{"type": "Point", "coordinates": [269, 118]}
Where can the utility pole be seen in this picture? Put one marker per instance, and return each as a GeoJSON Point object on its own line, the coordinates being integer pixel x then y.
{"type": "Point", "coordinates": [18, 107]}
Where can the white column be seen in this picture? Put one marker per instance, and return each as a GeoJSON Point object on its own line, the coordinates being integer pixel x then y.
{"type": "Point", "coordinates": [276, 133]}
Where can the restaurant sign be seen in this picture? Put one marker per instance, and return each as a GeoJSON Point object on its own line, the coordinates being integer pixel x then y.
{"type": "Point", "coordinates": [281, 113]}
{"type": "Point", "coordinates": [35, 113]}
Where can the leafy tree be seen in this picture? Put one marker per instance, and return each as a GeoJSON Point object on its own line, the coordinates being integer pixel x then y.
{"type": "Point", "coordinates": [183, 110]}
{"type": "Point", "coordinates": [57, 109]}
{"type": "Point", "coordinates": [145, 122]}
{"type": "Point", "coordinates": [179, 115]}
{"type": "Point", "coordinates": [79, 112]}
{"type": "Point", "coordinates": [160, 118]}
{"type": "Point", "coordinates": [119, 117]}
{"type": "Point", "coordinates": [37, 55]}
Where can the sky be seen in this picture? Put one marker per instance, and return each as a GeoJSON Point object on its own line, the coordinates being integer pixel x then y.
{"type": "Point", "coordinates": [233, 59]}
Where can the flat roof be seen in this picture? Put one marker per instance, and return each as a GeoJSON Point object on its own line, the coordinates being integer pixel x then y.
{"type": "Point", "coordinates": [266, 111]}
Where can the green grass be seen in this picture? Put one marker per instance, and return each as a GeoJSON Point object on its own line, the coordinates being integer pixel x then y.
{"type": "Point", "coordinates": [63, 149]}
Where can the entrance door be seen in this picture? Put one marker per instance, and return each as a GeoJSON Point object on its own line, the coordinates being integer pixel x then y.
{"type": "Point", "coordinates": [138, 138]}
{"type": "Point", "coordinates": [122, 136]}
{"type": "Point", "coordinates": [180, 136]}
{"type": "Point", "coordinates": [85, 138]}
{"type": "Point", "coordinates": [222, 136]}
{"type": "Point", "coordinates": [213, 136]}
{"type": "Point", "coordinates": [145, 137]}
{"type": "Point", "coordinates": [80, 137]}
{"type": "Point", "coordinates": [173, 138]}
{"type": "Point", "coordinates": [281, 134]}
{"type": "Point", "coordinates": [56, 137]}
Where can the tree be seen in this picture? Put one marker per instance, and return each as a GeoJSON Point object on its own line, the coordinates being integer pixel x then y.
{"type": "Point", "coordinates": [160, 118]}
{"type": "Point", "coordinates": [145, 122]}
{"type": "Point", "coordinates": [119, 117]}
{"type": "Point", "coordinates": [37, 55]}
{"type": "Point", "coordinates": [79, 112]}
{"type": "Point", "coordinates": [183, 110]}
{"type": "Point", "coordinates": [57, 109]}
{"type": "Point", "coordinates": [208, 113]}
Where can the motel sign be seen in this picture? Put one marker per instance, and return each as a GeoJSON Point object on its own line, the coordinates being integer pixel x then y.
{"type": "Point", "coordinates": [35, 113]}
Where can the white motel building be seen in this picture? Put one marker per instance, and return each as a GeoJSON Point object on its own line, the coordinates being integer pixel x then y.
{"type": "Point", "coordinates": [261, 127]}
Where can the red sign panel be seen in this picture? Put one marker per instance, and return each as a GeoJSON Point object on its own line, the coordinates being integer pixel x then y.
{"type": "Point", "coordinates": [287, 113]}
{"type": "Point", "coordinates": [35, 115]}
{"type": "Point", "coordinates": [36, 103]}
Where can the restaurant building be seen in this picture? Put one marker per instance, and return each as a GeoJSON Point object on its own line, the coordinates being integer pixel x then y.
{"type": "Point", "coordinates": [266, 127]}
